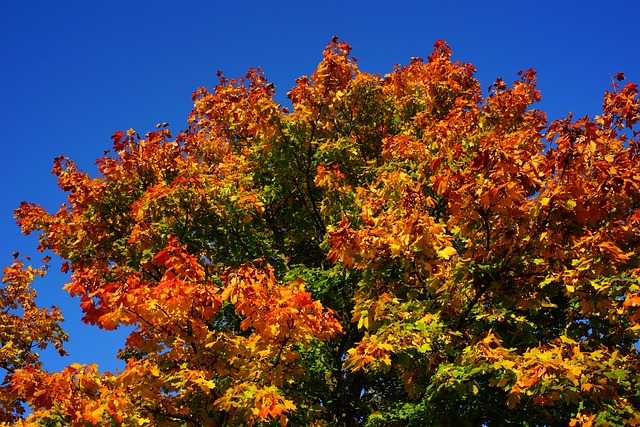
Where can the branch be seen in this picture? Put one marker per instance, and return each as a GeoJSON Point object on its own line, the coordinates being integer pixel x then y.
{"type": "Point", "coordinates": [282, 346]}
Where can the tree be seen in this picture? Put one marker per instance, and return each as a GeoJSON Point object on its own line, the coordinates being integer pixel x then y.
{"type": "Point", "coordinates": [393, 251]}
{"type": "Point", "coordinates": [24, 329]}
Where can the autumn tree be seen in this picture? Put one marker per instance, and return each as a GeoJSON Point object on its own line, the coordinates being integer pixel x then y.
{"type": "Point", "coordinates": [24, 328]}
{"type": "Point", "coordinates": [389, 251]}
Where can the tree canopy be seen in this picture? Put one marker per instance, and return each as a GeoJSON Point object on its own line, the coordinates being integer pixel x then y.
{"type": "Point", "coordinates": [395, 250]}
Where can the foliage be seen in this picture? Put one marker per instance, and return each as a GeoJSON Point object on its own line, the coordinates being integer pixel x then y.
{"type": "Point", "coordinates": [396, 250]}
{"type": "Point", "coordinates": [24, 328]}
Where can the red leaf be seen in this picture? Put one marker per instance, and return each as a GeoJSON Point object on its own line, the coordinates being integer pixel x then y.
{"type": "Point", "coordinates": [161, 257]}
{"type": "Point", "coordinates": [117, 140]}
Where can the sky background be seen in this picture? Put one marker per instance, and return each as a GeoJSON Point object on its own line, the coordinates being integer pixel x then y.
{"type": "Point", "coordinates": [76, 71]}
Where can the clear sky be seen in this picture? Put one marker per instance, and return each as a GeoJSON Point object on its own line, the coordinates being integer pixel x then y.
{"type": "Point", "coordinates": [75, 71]}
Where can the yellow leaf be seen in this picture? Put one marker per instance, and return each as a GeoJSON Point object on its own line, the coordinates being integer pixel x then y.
{"type": "Point", "coordinates": [94, 417]}
{"type": "Point", "coordinates": [447, 252]}
{"type": "Point", "coordinates": [386, 346]}
{"type": "Point", "coordinates": [508, 364]}
{"type": "Point", "coordinates": [364, 319]}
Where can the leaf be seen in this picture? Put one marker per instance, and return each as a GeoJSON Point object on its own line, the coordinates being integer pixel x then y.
{"type": "Point", "coordinates": [512, 400]}
{"type": "Point", "coordinates": [155, 371]}
{"type": "Point", "coordinates": [447, 252]}
{"type": "Point", "coordinates": [117, 137]}
{"type": "Point", "coordinates": [364, 320]}
{"type": "Point", "coordinates": [161, 257]}
{"type": "Point", "coordinates": [94, 417]}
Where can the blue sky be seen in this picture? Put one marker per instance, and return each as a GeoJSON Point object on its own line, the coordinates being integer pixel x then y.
{"type": "Point", "coordinates": [76, 71]}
